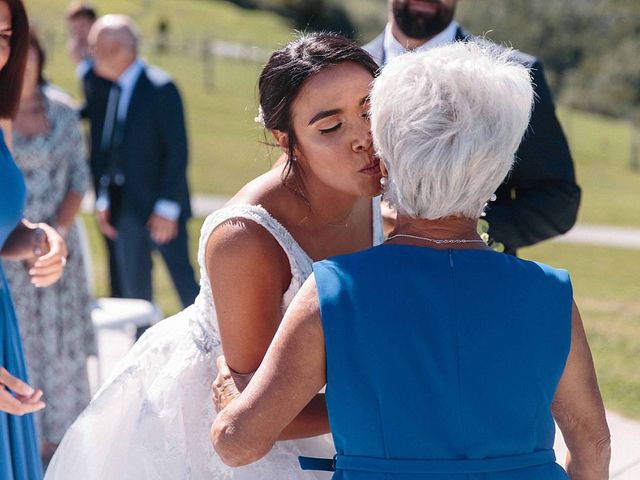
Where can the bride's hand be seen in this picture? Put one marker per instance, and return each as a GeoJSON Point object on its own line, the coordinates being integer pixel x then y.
{"type": "Point", "coordinates": [228, 385]}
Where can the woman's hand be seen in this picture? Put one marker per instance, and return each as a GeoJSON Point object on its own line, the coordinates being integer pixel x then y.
{"type": "Point", "coordinates": [228, 385]}
{"type": "Point", "coordinates": [50, 256]}
{"type": "Point", "coordinates": [26, 400]}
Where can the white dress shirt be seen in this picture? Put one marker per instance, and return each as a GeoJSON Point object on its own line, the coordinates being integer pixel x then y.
{"type": "Point", "coordinates": [85, 65]}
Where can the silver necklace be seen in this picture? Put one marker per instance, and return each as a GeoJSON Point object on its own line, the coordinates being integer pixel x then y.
{"type": "Point", "coordinates": [437, 241]}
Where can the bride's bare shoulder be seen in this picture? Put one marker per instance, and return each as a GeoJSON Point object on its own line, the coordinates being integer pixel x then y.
{"type": "Point", "coordinates": [269, 192]}
{"type": "Point", "coordinates": [244, 240]}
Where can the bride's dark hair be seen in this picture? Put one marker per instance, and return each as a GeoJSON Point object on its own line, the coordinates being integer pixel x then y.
{"type": "Point", "coordinates": [288, 68]}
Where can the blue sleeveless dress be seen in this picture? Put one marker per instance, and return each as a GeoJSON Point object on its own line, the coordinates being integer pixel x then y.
{"type": "Point", "coordinates": [442, 364]}
{"type": "Point", "coordinates": [19, 452]}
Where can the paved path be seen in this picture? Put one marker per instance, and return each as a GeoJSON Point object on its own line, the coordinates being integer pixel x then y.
{"type": "Point", "coordinates": [625, 462]}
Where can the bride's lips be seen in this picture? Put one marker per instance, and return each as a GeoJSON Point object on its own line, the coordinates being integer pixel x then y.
{"type": "Point", "coordinates": [373, 168]}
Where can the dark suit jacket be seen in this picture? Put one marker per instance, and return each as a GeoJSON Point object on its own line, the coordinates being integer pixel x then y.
{"type": "Point", "coordinates": [540, 198]}
{"type": "Point", "coordinates": [153, 152]}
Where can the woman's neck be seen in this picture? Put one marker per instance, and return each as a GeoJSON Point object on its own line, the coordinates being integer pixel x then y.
{"type": "Point", "coordinates": [5, 126]}
{"type": "Point", "coordinates": [459, 231]}
{"type": "Point", "coordinates": [30, 94]}
{"type": "Point", "coordinates": [326, 206]}
{"type": "Point", "coordinates": [31, 119]}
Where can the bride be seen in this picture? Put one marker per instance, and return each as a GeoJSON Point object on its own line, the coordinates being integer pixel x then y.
{"type": "Point", "coordinates": [151, 419]}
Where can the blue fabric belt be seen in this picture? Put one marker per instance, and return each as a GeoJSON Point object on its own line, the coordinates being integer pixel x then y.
{"type": "Point", "coordinates": [384, 465]}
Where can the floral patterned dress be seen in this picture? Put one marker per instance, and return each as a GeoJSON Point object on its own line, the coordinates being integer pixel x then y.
{"type": "Point", "coordinates": [55, 322]}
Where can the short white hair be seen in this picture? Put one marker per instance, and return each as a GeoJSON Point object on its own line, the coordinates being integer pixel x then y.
{"type": "Point", "coordinates": [447, 123]}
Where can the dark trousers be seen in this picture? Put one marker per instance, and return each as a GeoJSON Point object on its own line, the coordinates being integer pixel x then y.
{"type": "Point", "coordinates": [133, 249]}
{"type": "Point", "coordinates": [114, 276]}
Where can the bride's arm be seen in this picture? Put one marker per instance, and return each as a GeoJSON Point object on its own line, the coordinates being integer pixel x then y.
{"type": "Point", "coordinates": [292, 372]}
{"type": "Point", "coordinates": [311, 421]}
{"type": "Point", "coordinates": [249, 273]}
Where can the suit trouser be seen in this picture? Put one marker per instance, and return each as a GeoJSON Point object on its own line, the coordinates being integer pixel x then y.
{"type": "Point", "coordinates": [114, 276]}
{"type": "Point", "coordinates": [133, 249]}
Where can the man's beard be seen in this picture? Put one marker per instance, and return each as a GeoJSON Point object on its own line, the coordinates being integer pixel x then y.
{"type": "Point", "coordinates": [420, 25]}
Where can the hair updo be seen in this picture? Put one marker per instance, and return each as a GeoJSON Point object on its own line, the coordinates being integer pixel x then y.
{"type": "Point", "coordinates": [287, 70]}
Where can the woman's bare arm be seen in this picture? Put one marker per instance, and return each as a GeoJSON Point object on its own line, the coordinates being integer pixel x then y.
{"type": "Point", "coordinates": [579, 411]}
{"type": "Point", "coordinates": [249, 273]}
{"type": "Point", "coordinates": [313, 420]}
{"type": "Point", "coordinates": [67, 211]}
{"type": "Point", "coordinates": [288, 379]}
{"type": "Point", "coordinates": [21, 242]}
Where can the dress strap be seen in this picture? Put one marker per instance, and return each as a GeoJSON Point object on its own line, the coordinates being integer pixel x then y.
{"type": "Point", "coordinates": [299, 261]}
{"type": "Point", "coordinates": [418, 466]}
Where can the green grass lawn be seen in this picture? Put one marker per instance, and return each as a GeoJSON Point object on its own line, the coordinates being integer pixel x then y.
{"type": "Point", "coordinates": [227, 150]}
{"type": "Point", "coordinates": [601, 149]}
{"type": "Point", "coordinates": [606, 286]}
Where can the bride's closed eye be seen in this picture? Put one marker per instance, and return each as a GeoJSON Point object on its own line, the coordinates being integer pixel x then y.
{"type": "Point", "coordinates": [326, 131]}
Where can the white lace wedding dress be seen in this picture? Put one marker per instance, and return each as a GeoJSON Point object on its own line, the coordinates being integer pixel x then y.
{"type": "Point", "coordinates": [151, 418]}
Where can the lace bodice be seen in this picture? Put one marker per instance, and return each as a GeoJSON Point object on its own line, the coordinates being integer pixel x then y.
{"type": "Point", "coordinates": [207, 333]}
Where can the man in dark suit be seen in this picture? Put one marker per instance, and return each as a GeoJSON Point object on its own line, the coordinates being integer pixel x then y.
{"type": "Point", "coordinates": [540, 198]}
{"type": "Point", "coordinates": [139, 160]}
{"type": "Point", "coordinates": [80, 18]}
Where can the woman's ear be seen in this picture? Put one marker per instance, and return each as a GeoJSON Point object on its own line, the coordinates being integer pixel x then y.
{"type": "Point", "coordinates": [282, 138]}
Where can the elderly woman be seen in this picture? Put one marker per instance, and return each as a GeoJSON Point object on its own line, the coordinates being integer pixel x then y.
{"type": "Point", "coordinates": [442, 358]}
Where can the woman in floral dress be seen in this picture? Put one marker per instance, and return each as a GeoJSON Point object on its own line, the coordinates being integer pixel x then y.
{"type": "Point", "coordinates": [56, 322]}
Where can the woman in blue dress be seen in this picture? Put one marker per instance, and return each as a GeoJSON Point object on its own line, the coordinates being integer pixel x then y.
{"type": "Point", "coordinates": [443, 359]}
{"type": "Point", "coordinates": [19, 240]}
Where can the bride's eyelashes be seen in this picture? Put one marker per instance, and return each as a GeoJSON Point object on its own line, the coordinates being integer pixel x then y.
{"type": "Point", "coordinates": [366, 114]}
{"type": "Point", "coordinates": [330, 130]}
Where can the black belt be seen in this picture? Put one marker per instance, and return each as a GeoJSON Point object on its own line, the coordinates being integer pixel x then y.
{"type": "Point", "coordinates": [388, 465]}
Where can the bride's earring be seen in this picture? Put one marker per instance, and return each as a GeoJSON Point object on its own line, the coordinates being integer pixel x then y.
{"type": "Point", "coordinates": [384, 181]}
